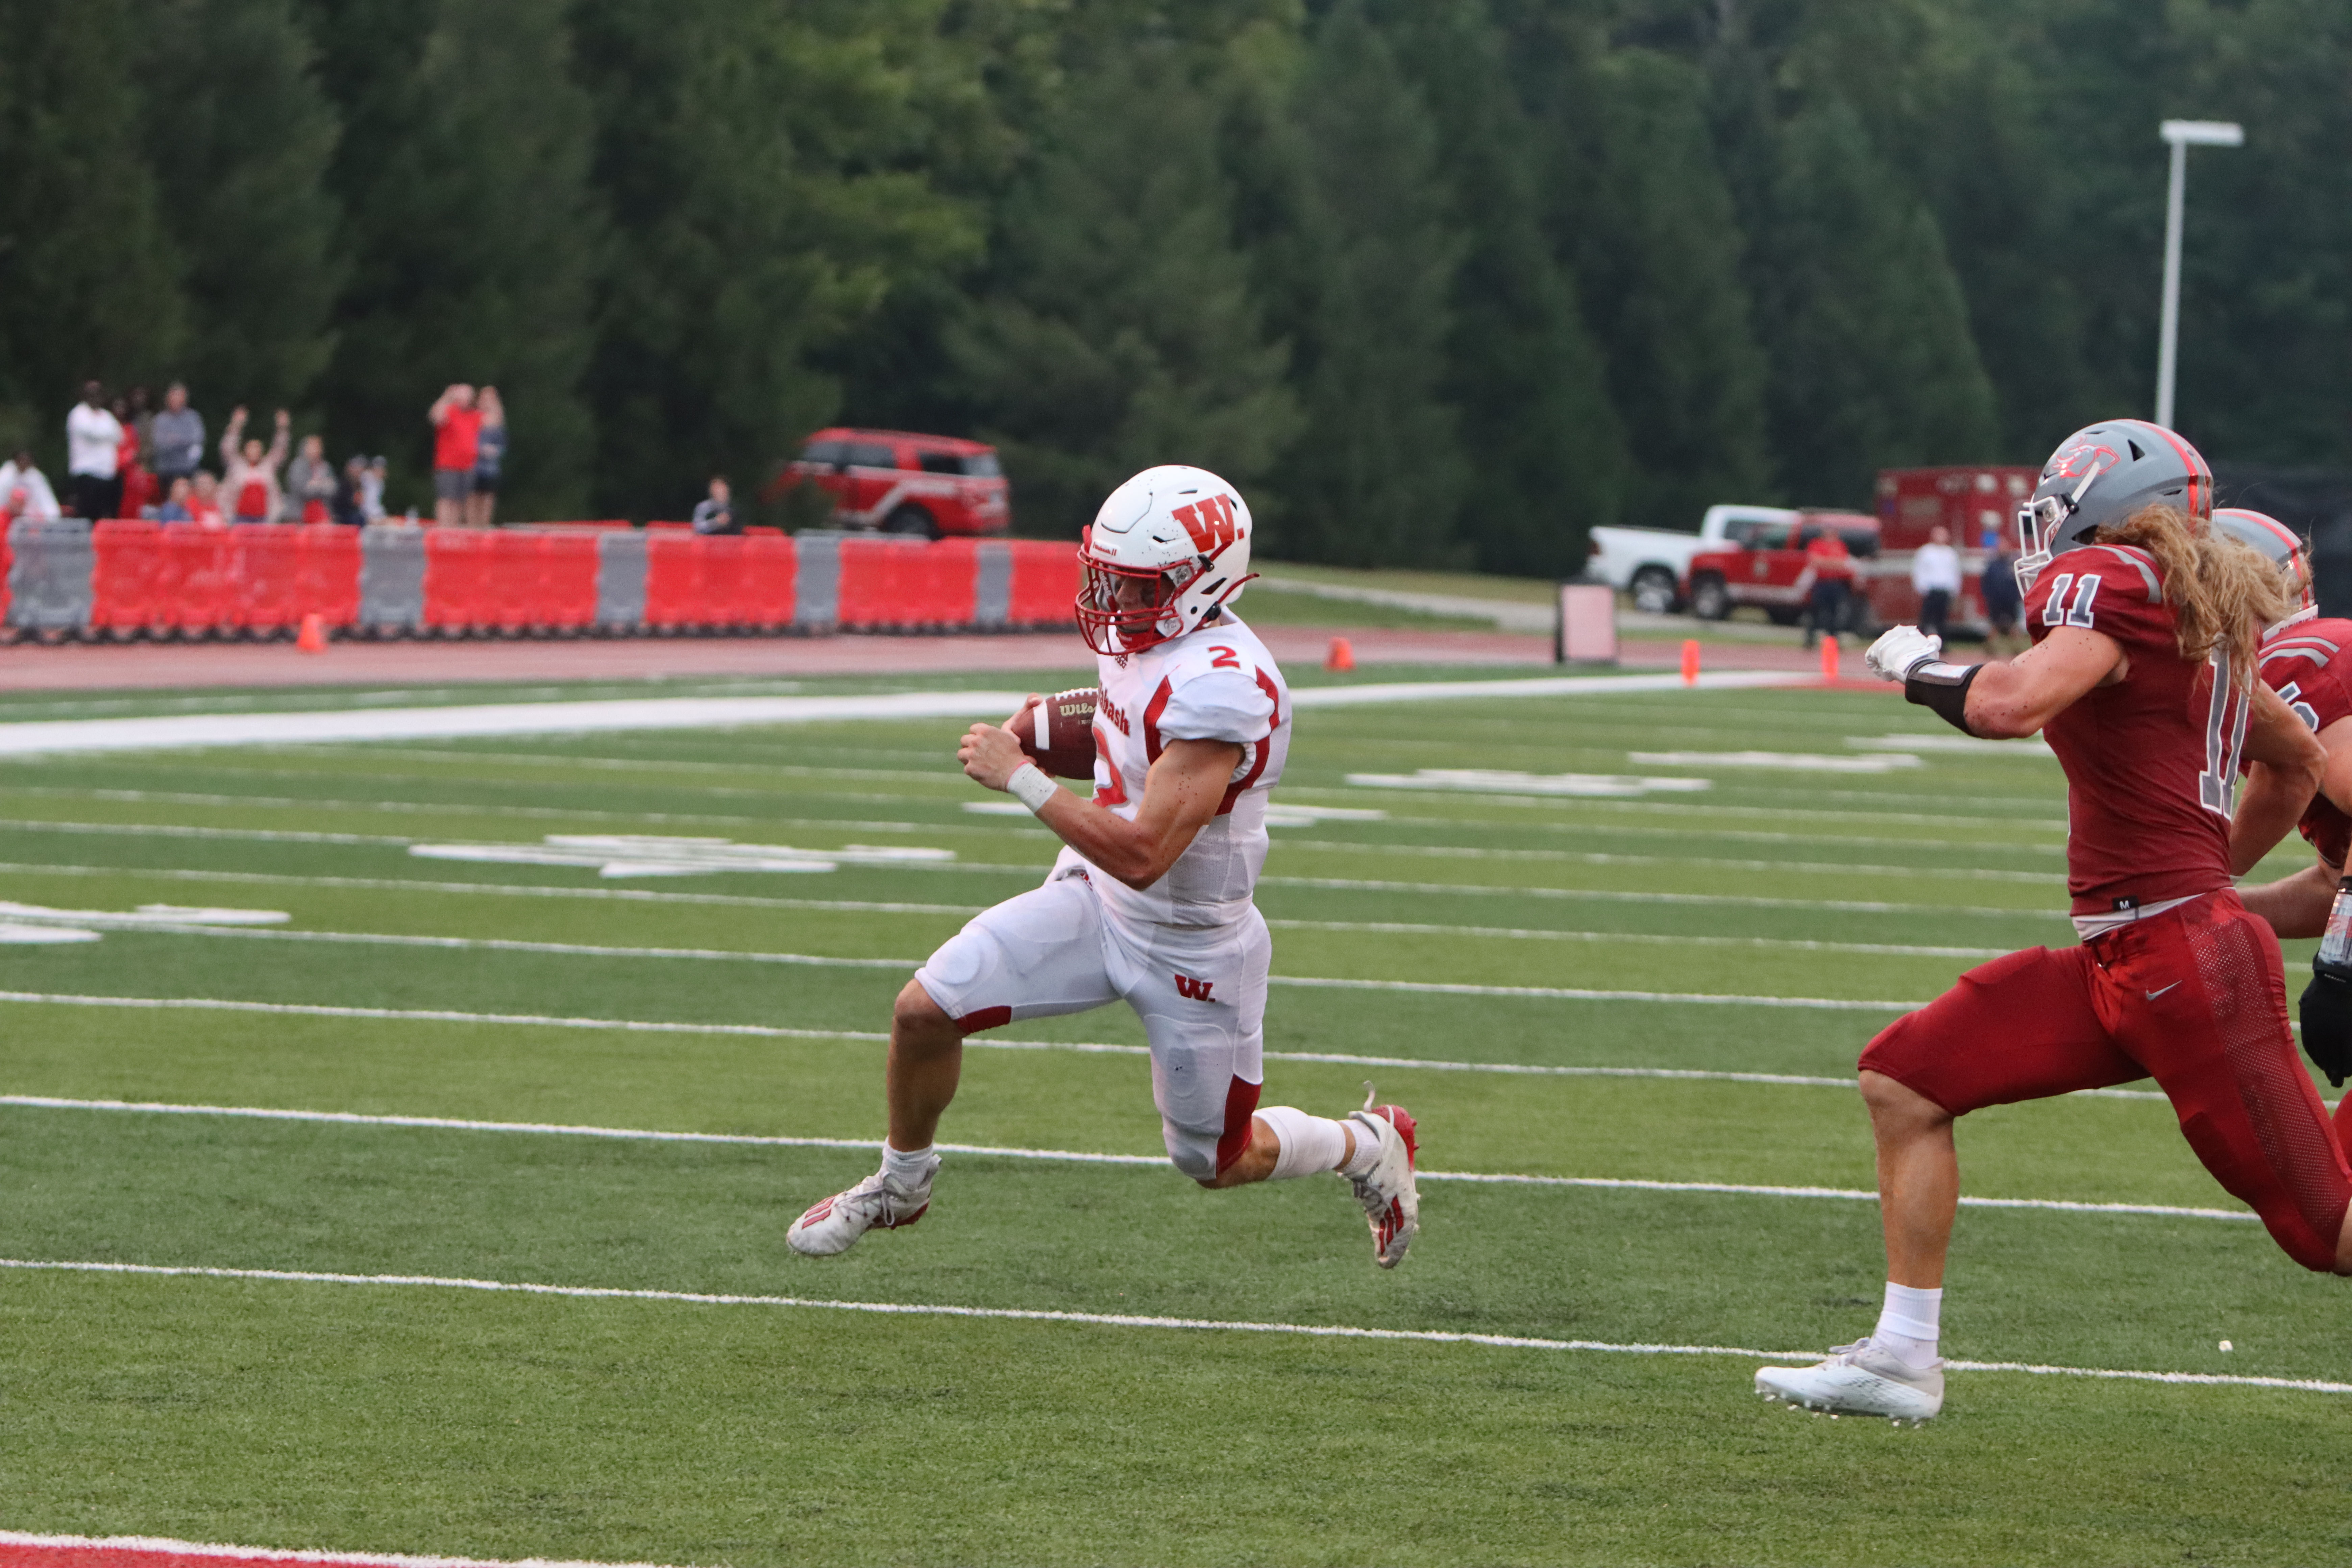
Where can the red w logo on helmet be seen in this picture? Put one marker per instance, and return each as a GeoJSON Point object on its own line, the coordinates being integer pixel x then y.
{"type": "Point", "coordinates": [1210, 522]}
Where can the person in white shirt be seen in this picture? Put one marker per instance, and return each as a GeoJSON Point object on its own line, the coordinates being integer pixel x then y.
{"type": "Point", "coordinates": [93, 437]}
{"type": "Point", "coordinates": [24, 490]}
{"type": "Point", "coordinates": [1149, 902]}
{"type": "Point", "coordinates": [1936, 576]}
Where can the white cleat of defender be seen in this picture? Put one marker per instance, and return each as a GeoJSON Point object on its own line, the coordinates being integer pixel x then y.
{"type": "Point", "coordinates": [1858, 1380]}
{"type": "Point", "coordinates": [880, 1202]}
{"type": "Point", "coordinates": [1390, 1200]}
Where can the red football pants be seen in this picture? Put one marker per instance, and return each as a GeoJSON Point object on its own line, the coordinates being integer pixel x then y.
{"type": "Point", "coordinates": [2195, 997]}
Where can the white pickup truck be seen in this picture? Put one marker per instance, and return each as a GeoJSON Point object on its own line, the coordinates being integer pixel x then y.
{"type": "Point", "coordinates": [1651, 563]}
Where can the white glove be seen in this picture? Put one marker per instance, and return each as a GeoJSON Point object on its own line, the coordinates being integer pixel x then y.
{"type": "Point", "coordinates": [1899, 650]}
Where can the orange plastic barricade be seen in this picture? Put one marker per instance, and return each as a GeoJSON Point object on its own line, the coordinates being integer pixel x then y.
{"type": "Point", "coordinates": [566, 595]}
{"type": "Point", "coordinates": [951, 587]}
{"type": "Point", "coordinates": [129, 558]}
{"type": "Point", "coordinates": [674, 560]}
{"type": "Point", "coordinates": [871, 593]}
{"type": "Point", "coordinates": [1044, 582]}
{"type": "Point", "coordinates": [768, 580]}
{"type": "Point", "coordinates": [264, 575]}
{"type": "Point", "coordinates": [327, 574]}
{"type": "Point", "coordinates": [194, 592]}
{"type": "Point", "coordinates": [457, 579]}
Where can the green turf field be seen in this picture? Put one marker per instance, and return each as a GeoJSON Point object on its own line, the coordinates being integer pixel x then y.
{"type": "Point", "coordinates": [1765, 926]}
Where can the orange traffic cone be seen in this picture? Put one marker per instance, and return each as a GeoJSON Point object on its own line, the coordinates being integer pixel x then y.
{"type": "Point", "coordinates": [1341, 656]}
{"type": "Point", "coordinates": [1830, 658]}
{"type": "Point", "coordinates": [1690, 661]}
{"type": "Point", "coordinates": [314, 634]}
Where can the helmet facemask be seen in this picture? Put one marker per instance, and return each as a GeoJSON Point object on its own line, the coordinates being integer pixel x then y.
{"type": "Point", "coordinates": [2039, 523]}
{"type": "Point", "coordinates": [1125, 609]}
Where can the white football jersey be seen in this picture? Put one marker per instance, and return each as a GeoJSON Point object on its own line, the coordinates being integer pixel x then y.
{"type": "Point", "coordinates": [1214, 684]}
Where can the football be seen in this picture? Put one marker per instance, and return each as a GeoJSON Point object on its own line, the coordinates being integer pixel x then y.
{"type": "Point", "coordinates": [1058, 734]}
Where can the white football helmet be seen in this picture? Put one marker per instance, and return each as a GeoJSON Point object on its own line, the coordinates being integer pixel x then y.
{"type": "Point", "coordinates": [1170, 545]}
{"type": "Point", "coordinates": [2279, 544]}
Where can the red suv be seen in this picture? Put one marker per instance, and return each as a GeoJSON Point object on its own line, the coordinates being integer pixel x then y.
{"type": "Point", "coordinates": [1767, 567]}
{"type": "Point", "coordinates": [895, 482]}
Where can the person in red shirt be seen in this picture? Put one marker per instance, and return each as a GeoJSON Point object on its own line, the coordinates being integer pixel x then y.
{"type": "Point", "coordinates": [1831, 566]}
{"type": "Point", "coordinates": [2145, 622]}
{"type": "Point", "coordinates": [456, 444]}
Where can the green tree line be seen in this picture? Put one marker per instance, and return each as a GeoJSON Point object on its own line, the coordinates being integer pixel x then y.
{"type": "Point", "coordinates": [1437, 282]}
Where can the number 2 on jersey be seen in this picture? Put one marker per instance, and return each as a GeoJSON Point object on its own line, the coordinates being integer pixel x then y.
{"type": "Point", "coordinates": [2226, 714]}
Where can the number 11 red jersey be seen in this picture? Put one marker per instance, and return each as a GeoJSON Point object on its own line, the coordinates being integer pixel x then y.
{"type": "Point", "coordinates": [2152, 761]}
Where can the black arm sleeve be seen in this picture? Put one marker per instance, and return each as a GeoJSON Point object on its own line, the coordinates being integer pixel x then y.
{"type": "Point", "coordinates": [1943, 687]}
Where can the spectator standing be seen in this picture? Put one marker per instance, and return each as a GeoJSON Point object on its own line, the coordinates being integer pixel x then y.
{"type": "Point", "coordinates": [248, 473]}
{"type": "Point", "coordinates": [489, 459]}
{"type": "Point", "coordinates": [24, 490]}
{"type": "Point", "coordinates": [310, 483]}
{"type": "Point", "coordinates": [372, 493]}
{"type": "Point", "coordinates": [1831, 566]}
{"type": "Point", "coordinates": [175, 438]}
{"type": "Point", "coordinates": [715, 513]}
{"type": "Point", "coordinates": [457, 442]}
{"type": "Point", "coordinates": [350, 505]}
{"type": "Point", "coordinates": [204, 501]}
{"type": "Point", "coordinates": [138, 485]}
{"type": "Point", "coordinates": [1936, 576]}
{"type": "Point", "coordinates": [176, 503]}
{"type": "Point", "coordinates": [2004, 605]}
{"type": "Point", "coordinates": [93, 439]}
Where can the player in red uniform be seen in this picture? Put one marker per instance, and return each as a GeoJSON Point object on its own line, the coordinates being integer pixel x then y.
{"type": "Point", "coordinates": [2308, 662]}
{"type": "Point", "coordinates": [2144, 621]}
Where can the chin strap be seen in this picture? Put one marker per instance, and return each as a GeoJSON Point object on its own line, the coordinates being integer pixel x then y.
{"type": "Point", "coordinates": [1933, 684]}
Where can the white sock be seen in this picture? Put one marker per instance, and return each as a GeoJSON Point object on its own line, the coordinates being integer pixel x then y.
{"type": "Point", "coordinates": [1367, 1153]}
{"type": "Point", "coordinates": [1309, 1143]}
{"type": "Point", "coordinates": [912, 1166]}
{"type": "Point", "coordinates": [1910, 1323]}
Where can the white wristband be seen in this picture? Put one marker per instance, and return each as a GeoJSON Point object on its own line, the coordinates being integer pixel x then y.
{"type": "Point", "coordinates": [1031, 787]}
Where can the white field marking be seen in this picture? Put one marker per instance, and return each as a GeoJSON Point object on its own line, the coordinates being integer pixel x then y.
{"type": "Point", "coordinates": [1683, 832]}
{"type": "Point", "coordinates": [515, 889]}
{"type": "Point", "coordinates": [1579, 857]}
{"type": "Point", "coordinates": [169, 917]}
{"type": "Point", "coordinates": [654, 855]}
{"type": "Point", "coordinates": [1490, 781]}
{"type": "Point", "coordinates": [1566, 994]}
{"type": "Point", "coordinates": [162, 1546]}
{"type": "Point", "coordinates": [183, 830]}
{"type": "Point", "coordinates": [908, 966]}
{"type": "Point", "coordinates": [1721, 808]}
{"type": "Point", "coordinates": [1057, 1156]}
{"type": "Point", "coordinates": [1601, 895]}
{"type": "Point", "coordinates": [1793, 762]}
{"type": "Point", "coordinates": [1113, 1319]}
{"type": "Point", "coordinates": [1515, 934]}
{"type": "Point", "coordinates": [65, 736]}
{"type": "Point", "coordinates": [1968, 745]}
{"type": "Point", "coordinates": [15, 934]}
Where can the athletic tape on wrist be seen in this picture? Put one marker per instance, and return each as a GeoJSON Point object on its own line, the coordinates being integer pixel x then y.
{"type": "Point", "coordinates": [1943, 687]}
{"type": "Point", "coordinates": [1031, 787]}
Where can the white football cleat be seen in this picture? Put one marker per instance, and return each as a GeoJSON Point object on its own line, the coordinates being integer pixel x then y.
{"type": "Point", "coordinates": [1858, 1379]}
{"type": "Point", "coordinates": [880, 1202]}
{"type": "Point", "coordinates": [1391, 1203]}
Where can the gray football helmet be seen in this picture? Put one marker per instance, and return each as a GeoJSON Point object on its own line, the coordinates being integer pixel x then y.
{"type": "Point", "coordinates": [2100, 474]}
{"type": "Point", "coordinates": [2278, 544]}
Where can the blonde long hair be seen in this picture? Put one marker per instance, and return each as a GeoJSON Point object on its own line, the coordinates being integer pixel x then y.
{"type": "Point", "coordinates": [2222, 593]}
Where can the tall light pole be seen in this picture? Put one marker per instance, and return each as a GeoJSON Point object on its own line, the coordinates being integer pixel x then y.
{"type": "Point", "coordinates": [2182, 134]}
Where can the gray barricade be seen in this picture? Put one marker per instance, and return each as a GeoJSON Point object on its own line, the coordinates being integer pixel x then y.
{"type": "Point", "coordinates": [620, 580]}
{"type": "Point", "coordinates": [392, 577]}
{"type": "Point", "coordinates": [49, 572]}
{"type": "Point", "coordinates": [816, 582]}
{"type": "Point", "coordinates": [992, 591]}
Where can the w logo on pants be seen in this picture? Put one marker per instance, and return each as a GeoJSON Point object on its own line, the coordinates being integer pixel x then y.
{"type": "Point", "coordinates": [1192, 989]}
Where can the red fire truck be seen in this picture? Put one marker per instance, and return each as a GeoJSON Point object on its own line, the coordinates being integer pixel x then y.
{"type": "Point", "coordinates": [1971, 502]}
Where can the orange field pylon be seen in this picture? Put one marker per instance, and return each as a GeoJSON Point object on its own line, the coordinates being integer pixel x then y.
{"type": "Point", "coordinates": [1341, 656]}
{"type": "Point", "coordinates": [314, 634]}
{"type": "Point", "coordinates": [1830, 658]}
{"type": "Point", "coordinates": [1690, 661]}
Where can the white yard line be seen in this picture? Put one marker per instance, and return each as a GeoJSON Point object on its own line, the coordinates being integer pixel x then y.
{"type": "Point", "coordinates": [1579, 857]}
{"type": "Point", "coordinates": [1522, 933]}
{"type": "Point", "coordinates": [1057, 1156]}
{"type": "Point", "coordinates": [1113, 1320]}
{"type": "Point", "coordinates": [164, 1546]}
{"type": "Point", "coordinates": [69, 736]}
{"type": "Point", "coordinates": [1624, 896]}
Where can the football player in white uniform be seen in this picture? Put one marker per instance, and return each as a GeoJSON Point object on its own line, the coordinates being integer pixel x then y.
{"type": "Point", "coordinates": [1150, 902]}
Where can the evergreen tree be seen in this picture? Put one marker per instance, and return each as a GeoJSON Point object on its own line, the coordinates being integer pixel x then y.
{"type": "Point", "coordinates": [240, 146]}
{"type": "Point", "coordinates": [88, 282]}
{"type": "Point", "coordinates": [470, 231]}
{"type": "Point", "coordinates": [1378, 476]}
{"type": "Point", "coordinates": [756, 171]}
{"type": "Point", "coordinates": [1872, 362]}
{"type": "Point", "coordinates": [1545, 448]}
{"type": "Point", "coordinates": [1121, 331]}
{"type": "Point", "coordinates": [1639, 200]}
